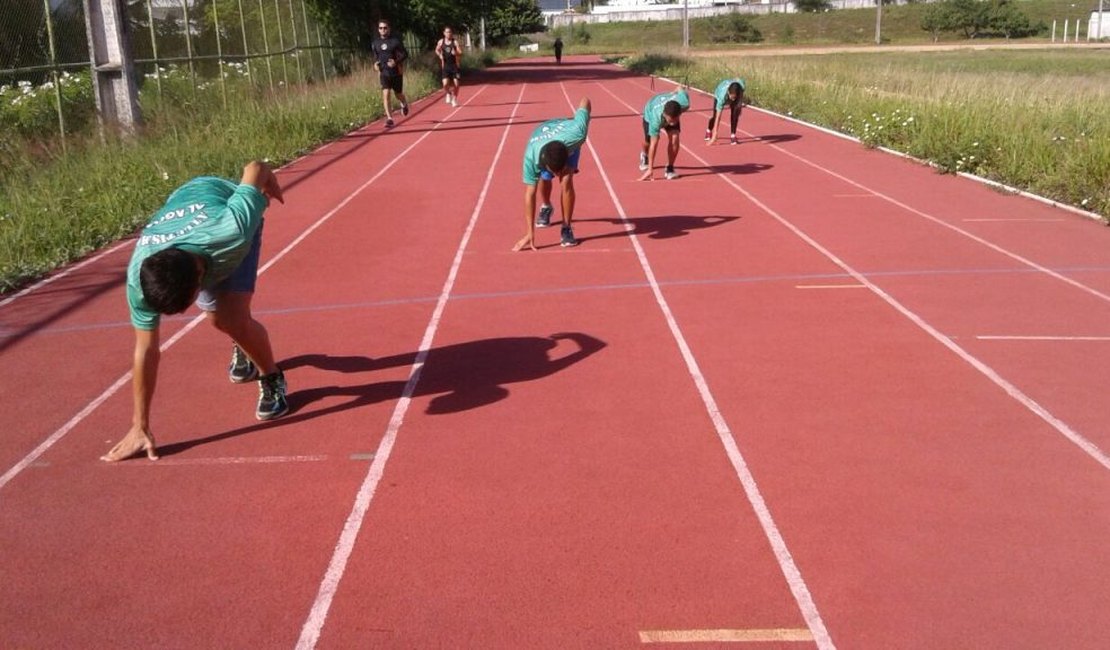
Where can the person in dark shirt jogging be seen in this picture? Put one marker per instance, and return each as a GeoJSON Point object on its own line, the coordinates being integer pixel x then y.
{"type": "Point", "coordinates": [389, 60]}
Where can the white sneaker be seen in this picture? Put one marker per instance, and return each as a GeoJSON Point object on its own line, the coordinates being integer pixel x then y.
{"type": "Point", "coordinates": [447, 99]}
{"type": "Point", "coordinates": [670, 174]}
{"type": "Point", "coordinates": [454, 101]}
{"type": "Point", "coordinates": [643, 162]}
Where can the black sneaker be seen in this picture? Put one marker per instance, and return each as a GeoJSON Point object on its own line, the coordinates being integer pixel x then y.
{"type": "Point", "coordinates": [405, 109]}
{"type": "Point", "coordinates": [389, 123]}
{"type": "Point", "coordinates": [643, 162]}
{"type": "Point", "coordinates": [543, 220]}
{"type": "Point", "coordinates": [567, 237]}
{"type": "Point", "coordinates": [242, 369]}
{"type": "Point", "coordinates": [670, 174]}
{"type": "Point", "coordinates": [271, 397]}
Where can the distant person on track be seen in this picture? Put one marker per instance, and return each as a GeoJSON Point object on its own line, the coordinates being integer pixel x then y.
{"type": "Point", "coordinates": [730, 93]}
{"type": "Point", "coordinates": [450, 54]}
{"type": "Point", "coordinates": [389, 60]}
{"type": "Point", "coordinates": [203, 245]}
{"type": "Point", "coordinates": [552, 151]}
{"type": "Point", "coordinates": [662, 112]}
{"type": "Point", "coordinates": [558, 50]}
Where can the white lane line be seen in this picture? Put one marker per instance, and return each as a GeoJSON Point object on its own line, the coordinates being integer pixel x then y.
{"type": "Point", "coordinates": [940, 222]}
{"type": "Point", "coordinates": [1088, 447]}
{"type": "Point", "coordinates": [122, 381]}
{"type": "Point", "coordinates": [310, 632]}
{"type": "Point", "coordinates": [829, 286]}
{"type": "Point", "coordinates": [763, 513]}
{"type": "Point", "coordinates": [1042, 338]}
{"type": "Point", "coordinates": [58, 276]}
{"type": "Point", "coordinates": [725, 636]}
{"type": "Point", "coordinates": [1012, 220]}
{"type": "Point", "coordinates": [227, 460]}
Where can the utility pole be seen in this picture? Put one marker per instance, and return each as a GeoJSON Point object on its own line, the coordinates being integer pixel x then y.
{"type": "Point", "coordinates": [685, 24]}
{"type": "Point", "coordinates": [117, 98]}
{"type": "Point", "coordinates": [879, 22]}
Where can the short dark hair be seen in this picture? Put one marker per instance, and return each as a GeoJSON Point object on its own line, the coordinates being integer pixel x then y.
{"type": "Point", "coordinates": [734, 88]}
{"type": "Point", "coordinates": [554, 156]}
{"type": "Point", "coordinates": [169, 280]}
{"type": "Point", "coordinates": [672, 109]}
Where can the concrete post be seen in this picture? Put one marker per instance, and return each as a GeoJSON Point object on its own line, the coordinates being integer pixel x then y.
{"type": "Point", "coordinates": [117, 97]}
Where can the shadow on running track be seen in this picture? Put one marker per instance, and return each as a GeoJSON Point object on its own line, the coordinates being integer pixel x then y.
{"type": "Point", "coordinates": [461, 376]}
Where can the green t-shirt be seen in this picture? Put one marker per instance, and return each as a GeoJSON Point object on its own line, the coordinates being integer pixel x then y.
{"type": "Point", "coordinates": [653, 110]}
{"type": "Point", "coordinates": [211, 217]}
{"type": "Point", "coordinates": [571, 132]}
{"type": "Point", "coordinates": [721, 93]}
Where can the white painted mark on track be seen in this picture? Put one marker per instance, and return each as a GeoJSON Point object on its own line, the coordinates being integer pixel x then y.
{"type": "Point", "coordinates": [782, 554]}
{"type": "Point", "coordinates": [317, 616]}
{"type": "Point", "coordinates": [1087, 446]}
{"type": "Point", "coordinates": [60, 433]}
{"type": "Point", "coordinates": [725, 636]}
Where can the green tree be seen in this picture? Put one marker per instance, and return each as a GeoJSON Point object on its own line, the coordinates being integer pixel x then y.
{"type": "Point", "coordinates": [812, 6]}
{"type": "Point", "coordinates": [939, 17]}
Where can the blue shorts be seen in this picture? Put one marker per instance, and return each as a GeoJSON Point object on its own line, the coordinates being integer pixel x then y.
{"type": "Point", "coordinates": [242, 279]}
{"type": "Point", "coordinates": [572, 165]}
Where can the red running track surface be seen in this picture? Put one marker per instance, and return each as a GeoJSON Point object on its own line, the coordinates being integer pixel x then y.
{"type": "Point", "coordinates": [807, 394]}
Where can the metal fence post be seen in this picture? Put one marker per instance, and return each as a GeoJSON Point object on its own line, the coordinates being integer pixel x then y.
{"type": "Point", "coordinates": [246, 50]}
{"type": "Point", "coordinates": [307, 38]}
{"type": "Point", "coordinates": [220, 53]}
{"type": "Point", "coordinates": [189, 45]}
{"type": "Point", "coordinates": [281, 44]}
{"type": "Point", "coordinates": [296, 43]}
{"type": "Point", "coordinates": [266, 46]}
{"type": "Point", "coordinates": [154, 50]}
{"type": "Point", "coordinates": [54, 74]}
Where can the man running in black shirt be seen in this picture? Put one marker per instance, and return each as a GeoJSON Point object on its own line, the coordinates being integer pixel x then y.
{"type": "Point", "coordinates": [449, 53]}
{"type": "Point", "coordinates": [389, 58]}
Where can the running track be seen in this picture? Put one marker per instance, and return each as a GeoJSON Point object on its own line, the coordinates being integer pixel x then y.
{"type": "Point", "coordinates": [807, 395]}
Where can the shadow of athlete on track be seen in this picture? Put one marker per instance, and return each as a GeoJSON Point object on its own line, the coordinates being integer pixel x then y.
{"type": "Point", "coordinates": [742, 169]}
{"type": "Point", "coordinates": [663, 227]}
{"type": "Point", "coordinates": [461, 376]}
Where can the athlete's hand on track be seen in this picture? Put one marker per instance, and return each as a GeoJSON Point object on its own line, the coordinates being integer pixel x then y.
{"type": "Point", "coordinates": [647, 176]}
{"type": "Point", "coordinates": [525, 241]}
{"type": "Point", "coordinates": [136, 440]}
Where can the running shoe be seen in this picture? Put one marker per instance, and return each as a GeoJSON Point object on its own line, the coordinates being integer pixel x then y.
{"type": "Point", "coordinates": [708, 135]}
{"type": "Point", "coordinates": [733, 140]}
{"type": "Point", "coordinates": [454, 101]}
{"type": "Point", "coordinates": [447, 98]}
{"type": "Point", "coordinates": [566, 238]}
{"type": "Point", "coordinates": [543, 219]}
{"type": "Point", "coordinates": [643, 162]}
{"type": "Point", "coordinates": [241, 369]}
{"type": "Point", "coordinates": [670, 174]}
{"type": "Point", "coordinates": [271, 397]}
{"type": "Point", "coordinates": [389, 123]}
{"type": "Point", "coordinates": [404, 109]}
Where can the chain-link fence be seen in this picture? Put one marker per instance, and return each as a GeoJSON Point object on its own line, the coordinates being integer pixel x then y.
{"type": "Point", "coordinates": [184, 52]}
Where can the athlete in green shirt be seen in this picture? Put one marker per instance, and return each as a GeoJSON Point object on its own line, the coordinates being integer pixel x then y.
{"type": "Point", "coordinates": [730, 93]}
{"type": "Point", "coordinates": [553, 150]}
{"type": "Point", "coordinates": [662, 112]}
{"type": "Point", "coordinates": [203, 245]}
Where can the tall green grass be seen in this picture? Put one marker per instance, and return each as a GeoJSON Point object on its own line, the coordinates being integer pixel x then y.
{"type": "Point", "coordinates": [56, 207]}
{"type": "Point", "coordinates": [1034, 120]}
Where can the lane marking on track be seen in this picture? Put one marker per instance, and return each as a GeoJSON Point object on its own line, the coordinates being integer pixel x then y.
{"type": "Point", "coordinates": [762, 512]}
{"type": "Point", "coordinates": [1042, 338]}
{"type": "Point", "coordinates": [829, 286]}
{"type": "Point", "coordinates": [317, 616]}
{"type": "Point", "coordinates": [726, 636]}
{"type": "Point", "coordinates": [60, 433]}
{"type": "Point", "coordinates": [1087, 446]}
{"type": "Point", "coordinates": [854, 196]}
{"type": "Point", "coordinates": [225, 460]}
{"type": "Point", "coordinates": [58, 276]}
{"type": "Point", "coordinates": [1012, 220]}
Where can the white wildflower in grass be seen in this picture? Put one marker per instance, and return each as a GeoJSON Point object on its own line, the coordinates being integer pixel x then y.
{"type": "Point", "coordinates": [165, 176]}
{"type": "Point", "coordinates": [1085, 201]}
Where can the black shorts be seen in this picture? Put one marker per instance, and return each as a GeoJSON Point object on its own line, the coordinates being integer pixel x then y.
{"type": "Point", "coordinates": [450, 72]}
{"type": "Point", "coordinates": [669, 128]}
{"type": "Point", "coordinates": [394, 82]}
